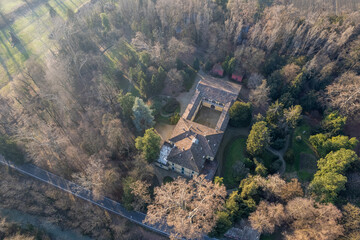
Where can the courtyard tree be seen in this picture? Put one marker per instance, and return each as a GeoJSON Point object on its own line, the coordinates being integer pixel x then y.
{"type": "Point", "coordinates": [258, 139]}
{"type": "Point", "coordinates": [188, 206]}
{"type": "Point", "coordinates": [142, 115]}
{"type": "Point", "coordinates": [240, 114]}
{"type": "Point", "coordinates": [149, 144]}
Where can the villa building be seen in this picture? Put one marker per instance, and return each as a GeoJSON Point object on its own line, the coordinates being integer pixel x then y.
{"type": "Point", "coordinates": [193, 145]}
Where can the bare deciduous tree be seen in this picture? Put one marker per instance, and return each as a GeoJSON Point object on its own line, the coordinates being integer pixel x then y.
{"type": "Point", "coordinates": [188, 206]}
{"type": "Point", "coordinates": [259, 97]}
{"type": "Point", "coordinates": [267, 216]}
{"type": "Point", "coordinates": [344, 94]}
{"type": "Point", "coordinates": [140, 190]}
{"type": "Point", "coordinates": [255, 80]}
{"type": "Point", "coordinates": [310, 220]}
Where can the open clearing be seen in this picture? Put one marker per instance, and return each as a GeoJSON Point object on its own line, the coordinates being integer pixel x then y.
{"type": "Point", "coordinates": [31, 24]}
{"type": "Point", "coordinates": [234, 152]}
{"type": "Point", "coordinates": [302, 152]}
{"type": "Point", "coordinates": [208, 117]}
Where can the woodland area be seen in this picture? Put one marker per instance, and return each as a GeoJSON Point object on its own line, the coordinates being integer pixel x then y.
{"type": "Point", "coordinates": [86, 111]}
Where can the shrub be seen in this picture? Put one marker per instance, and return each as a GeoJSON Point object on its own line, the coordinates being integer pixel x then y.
{"type": "Point", "coordinates": [174, 119]}
{"type": "Point", "coordinates": [240, 114]}
{"type": "Point", "coordinates": [189, 76]}
{"type": "Point", "coordinates": [249, 163]}
{"type": "Point", "coordinates": [171, 106]}
{"type": "Point", "coordinates": [289, 156]}
{"type": "Point", "coordinates": [278, 144]}
{"type": "Point", "coordinates": [275, 166]}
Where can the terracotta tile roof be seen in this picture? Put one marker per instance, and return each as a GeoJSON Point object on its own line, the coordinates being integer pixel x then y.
{"type": "Point", "coordinates": [218, 89]}
{"type": "Point", "coordinates": [193, 143]}
{"type": "Point", "coordinates": [192, 106]}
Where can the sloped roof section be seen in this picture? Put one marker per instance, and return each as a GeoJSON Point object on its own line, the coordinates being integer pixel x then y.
{"type": "Point", "coordinates": [193, 142]}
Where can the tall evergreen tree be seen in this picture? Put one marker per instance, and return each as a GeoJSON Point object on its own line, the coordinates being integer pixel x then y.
{"type": "Point", "coordinates": [142, 115]}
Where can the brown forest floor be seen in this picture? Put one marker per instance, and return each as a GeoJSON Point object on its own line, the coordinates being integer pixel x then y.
{"type": "Point", "coordinates": [38, 199]}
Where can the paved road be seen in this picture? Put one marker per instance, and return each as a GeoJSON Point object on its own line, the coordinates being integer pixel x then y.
{"type": "Point", "coordinates": [80, 192]}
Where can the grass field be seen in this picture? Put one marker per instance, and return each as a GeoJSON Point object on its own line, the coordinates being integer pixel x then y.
{"type": "Point", "coordinates": [233, 153]}
{"type": "Point", "coordinates": [32, 27]}
{"type": "Point", "coordinates": [301, 147]}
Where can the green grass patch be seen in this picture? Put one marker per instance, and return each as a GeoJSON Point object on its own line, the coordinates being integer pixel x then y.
{"type": "Point", "coordinates": [300, 146]}
{"type": "Point", "coordinates": [7, 6]}
{"type": "Point", "coordinates": [305, 176]}
{"type": "Point", "coordinates": [32, 28]}
{"type": "Point", "coordinates": [234, 152]}
{"type": "Point", "coordinates": [268, 158]}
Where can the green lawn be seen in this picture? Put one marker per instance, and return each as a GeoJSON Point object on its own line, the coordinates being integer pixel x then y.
{"type": "Point", "coordinates": [235, 151]}
{"type": "Point", "coordinates": [32, 29]}
{"type": "Point", "coordinates": [7, 6]}
{"type": "Point", "coordinates": [300, 146]}
{"type": "Point", "coordinates": [268, 158]}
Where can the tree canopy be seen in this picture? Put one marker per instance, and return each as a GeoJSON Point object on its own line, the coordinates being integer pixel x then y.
{"type": "Point", "coordinates": [240, 114]}
{"type": "Point", "coordinates": [142, 115]}
{"type": "Point", "coordinates": [329, 179]}
{"type": "Point", "coordinates": [258, 139]}
{"type": "Point", "coordinates": [149, 144]}
{"type": "Point", "coordinates": [190, 207]}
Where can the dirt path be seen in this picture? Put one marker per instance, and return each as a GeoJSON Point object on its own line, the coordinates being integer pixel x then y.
{"type": "Point", "coordinates": [185, 97]}
{"type": "Point", "coordinates": [280, 154]}
{"type": "Point", "coordinates": [164, 130]}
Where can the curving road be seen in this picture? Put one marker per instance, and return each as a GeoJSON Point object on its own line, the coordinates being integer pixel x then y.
{"type": "Point", "coordinates": [80, 192]}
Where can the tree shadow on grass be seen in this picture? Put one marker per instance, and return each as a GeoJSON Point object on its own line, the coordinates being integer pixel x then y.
{"type": "Point", "coordinates": [5, 68]}
{"type": "Point", "coordinates": [9, 53]}
{"type": "Point", "coordinates": [20, 47]}
{"type": "Point", "coordinates": [61, 5]}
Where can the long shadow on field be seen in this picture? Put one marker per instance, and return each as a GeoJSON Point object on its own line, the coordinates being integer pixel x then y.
{"type": "Point", "coordinates": [5, 68]}
{"type": "Point", "coordinates": [9, 53]}
{"type": "Point", "coordinates": [62, 5]}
